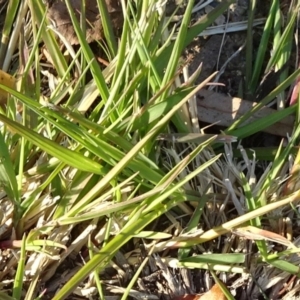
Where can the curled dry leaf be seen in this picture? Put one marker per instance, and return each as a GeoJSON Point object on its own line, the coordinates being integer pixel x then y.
{"type": "Point", "coordinates": [215, 293]}
{"type": "Point", "coordinates": [59, 15]}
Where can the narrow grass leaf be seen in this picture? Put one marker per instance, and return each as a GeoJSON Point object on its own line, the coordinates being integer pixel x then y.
{"type": "Point", "coordinates": [285, 266]}
{"type": "Point", "coordinates": [7, 173]}
{"type": "Point", "coordinates": [249, 40]}
{"type": "Point", "coordinates": [197, 138]}
{"type": "Point", "coordinates": [89, 56]}
{"type": "Point", "coordinates": [205, 21]}
{"type": "Point", "coordinates": [38, 12]}
{"type": "Point", "coordinates": [7, 27]}
{"type": "Point", "coordinates": [215, 267]}
{"type": "Point", "coordinates": [32, 288]}
{"type": "Point", "coordinates": [72, 158]}
{"type": "Point", "coordinates": [153, 235]}
{"type": "Point", "coordinates": [43, 243]}
{"type": "Point", "coordinates": [262, 123]}
{"type": "Point", "coordinates": [178, 47]}
{"type": "Point", "coordinates": [262, 49]}
{"type": "Point", "coordinates": [284, 41]}
{"type": "Point", "coordinates": [4, 296]}
{"type": "Point", "coordinates": [154, 112]}
{"type": "Point", "coordinates": [221, 286]}
{"type": "Point", "coordinates": [107, 28]}
{"type": "Point", "coordinates": [280, 159]}
{"type": "Point", "coordinates": [280, 88]}
{"type": "Point", "coordinates": [261, 153]}
{"type": "Point", "coordinates": [18, 282]}
{"type": "Point", "coordinates": [252, 205]}
{"type": "Point", "coordinates": [220, 258]}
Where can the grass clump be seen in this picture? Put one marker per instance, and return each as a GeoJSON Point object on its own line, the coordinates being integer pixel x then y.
{"type": "Point", "coordinates": [85, 174]}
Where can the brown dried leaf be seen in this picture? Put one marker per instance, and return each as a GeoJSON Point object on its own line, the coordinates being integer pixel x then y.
{"type": "Point", "coordinates": [58, 13]}
{"type": "Point", "coordinates": [215, 293]}
{"type": "Point", "coordinates": [215, 108]}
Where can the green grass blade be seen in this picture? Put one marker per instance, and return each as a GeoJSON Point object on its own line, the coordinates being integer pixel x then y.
{"type": "Point", "coordinates": [18, 282]}
{"type": "Point", "coordinates": [285, 266]}
{"type": "Point", "coordinates": [89, 56]}
{"type": "Point", "coordinates": [7, 27]}
{"type": "Point", "coordinates": [249, 40]}
{"type": "Point", "coordinates": [178, 47]}
{"type": "Point", "coordinates": [217, 258]}
{"type": "Point", "coordinates": [67, 156]}
{"type": "Point", "coordinates": [7, 173]}
{"type": "Point", "coordinates": [38, 12]}
{"type": "Point", "coordinates": [281, 87]}
{"type": "Point", "coordinates": [263, 45]}
{"type": "Point", "coordinates": [263, 123]}
{"type": "Point", "coordinates": [107, 28]}
{"type": "Point", "coordinates": [285, 41]}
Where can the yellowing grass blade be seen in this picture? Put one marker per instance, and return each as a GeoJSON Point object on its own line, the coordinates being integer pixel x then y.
{"type": "Point", "coordinates": [293, 182]}
{"type": "Point", "coordinates": [7, 80]}
{"type": "Point", "coordinates": [194, 137]}
{"type": "Point", "coordinates": [254, 233]}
